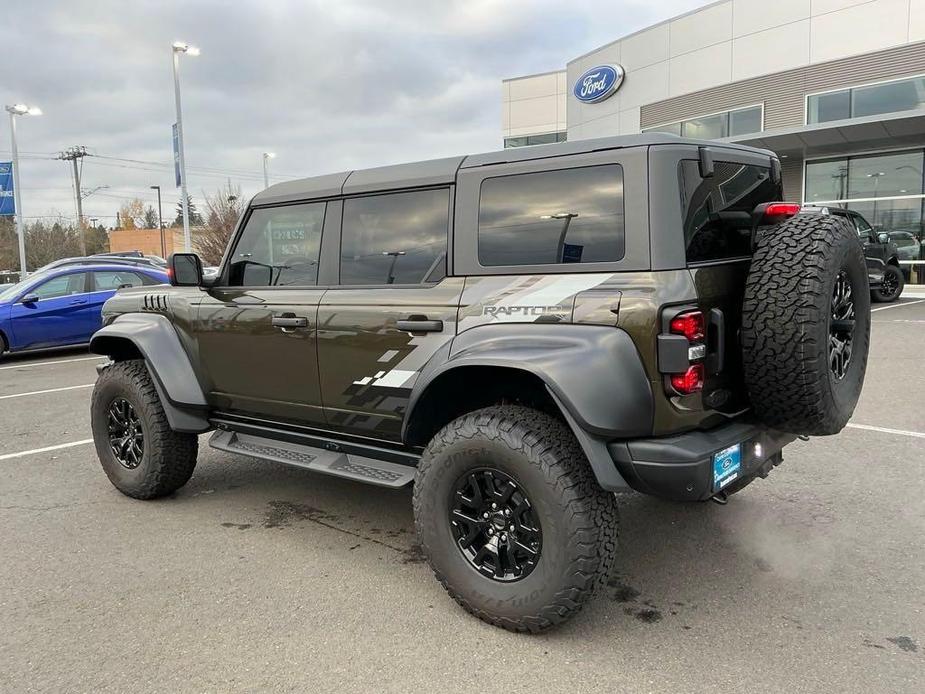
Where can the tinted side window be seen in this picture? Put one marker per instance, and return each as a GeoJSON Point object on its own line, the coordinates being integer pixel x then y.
{"type": "Point", "coordinates": [279, 247]}
{"type": "Point", "coordinates": [717, 210]}
{"type": "Point", "coordinates": [398, 238]}
{"type": "Point", "coordinates": [104, 281]}
{"type": "Point", "coordinates": [65, 285]}
{"type": "Point", "coordinates": [552, 217]}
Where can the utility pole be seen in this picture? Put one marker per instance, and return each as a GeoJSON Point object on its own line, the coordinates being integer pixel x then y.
{"type": "Point", "coordinates": [72, 154]}
{"type": "Point", "coordinates": [160, 221]}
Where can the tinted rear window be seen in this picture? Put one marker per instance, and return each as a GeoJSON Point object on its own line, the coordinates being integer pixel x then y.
{"type": "Point", "coordinates": [552, 217]}
{"type": "Point", "coordinates": [717, 210]}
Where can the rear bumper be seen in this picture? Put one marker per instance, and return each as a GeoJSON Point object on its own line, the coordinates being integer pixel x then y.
{"type": "Point", "coordinates": [681, 467]}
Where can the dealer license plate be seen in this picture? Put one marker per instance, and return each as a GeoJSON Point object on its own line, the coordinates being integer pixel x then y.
{"type": "Point", "coordinates": [726, 466]}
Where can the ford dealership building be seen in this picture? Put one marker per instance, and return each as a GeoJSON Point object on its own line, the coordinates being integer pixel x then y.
{"type": "Point", "coordinates": [835, 87]}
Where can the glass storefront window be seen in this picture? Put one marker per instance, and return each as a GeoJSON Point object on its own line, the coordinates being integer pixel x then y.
{"type": "Point", "coordinates": [826, 180]}
{"type": "Point", "coordinates": [745, 121]}
{"type": "Point", "coordinates": [707, 128]}
{"type": "Point", "coordinates": [543, 139]}
{"type": "Point", "coordinates": [885, 175]}
{"type": "Point", "coordinates": [891, 97]}
{"type": "Point", "coordinates": [822, 108]}
{"type": "Point", "coordinates": [856, 102]}
{"type": "Point", "coordinates": [901, 219]}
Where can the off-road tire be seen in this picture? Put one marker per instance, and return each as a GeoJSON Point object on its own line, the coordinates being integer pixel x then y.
{"type": "Point", "coordinates": [168, 457]}
{"type": "Point", "coordinates": [578, 519]}
{"type": "Point", "coordinates": [881, 297]}
{"type": "Point", "coordinates": [786, 323]}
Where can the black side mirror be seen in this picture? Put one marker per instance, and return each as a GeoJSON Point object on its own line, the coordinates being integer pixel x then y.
{"type": "Point", "coordinates": [883, 237]}
{"type": "Point", "coordinates": [29, 299]}
{"type": "Point", "coordinates": [184, 270]}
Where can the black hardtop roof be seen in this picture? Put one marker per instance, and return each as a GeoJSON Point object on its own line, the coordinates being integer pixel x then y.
{"type": "Point", "coordinates": [443, 171]}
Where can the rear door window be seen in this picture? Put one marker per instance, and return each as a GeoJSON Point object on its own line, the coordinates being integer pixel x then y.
{"type": "Point", "coordinates": [552, 217]}
{"type": "Point", "coordinates": [397, 238]}
{"type": "Point", "coordinates": [717, 211]}
{"type": "Point", "coordinates": [111, 280]}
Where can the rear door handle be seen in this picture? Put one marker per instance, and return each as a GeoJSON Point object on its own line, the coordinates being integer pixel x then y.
{"type": "Point", "coordinates": [290, 321]}
{"type": "Point", "coordinates": [77, 302]}
{"type": "Point", "coordinates": [420, 325]}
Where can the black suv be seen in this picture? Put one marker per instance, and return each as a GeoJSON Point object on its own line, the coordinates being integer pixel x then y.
{"type": "Point", "coordinates": [882, 254]}
{"type": "Point", "coordinates": [519, 333]}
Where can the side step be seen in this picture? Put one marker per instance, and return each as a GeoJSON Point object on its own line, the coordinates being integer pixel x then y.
{"type": "Point", "coordinates": [349, 465]}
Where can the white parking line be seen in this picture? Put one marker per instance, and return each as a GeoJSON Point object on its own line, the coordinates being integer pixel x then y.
{"type": "Point", "coordinates": [49, 363]}
{"type": "Point", "coordinates": [884, 430]}
{"type": "Point", "coordinates": [905, 303]}
{"type": "Point", "coordinates": [43, 392]}
{"type": "Point", "coordinates": [9, 456]}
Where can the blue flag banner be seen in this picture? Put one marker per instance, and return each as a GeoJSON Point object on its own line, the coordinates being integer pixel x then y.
{"type": "Point", "coordinates": [7, 201]}
{"type": "Point", "coordinates": [176, 154]}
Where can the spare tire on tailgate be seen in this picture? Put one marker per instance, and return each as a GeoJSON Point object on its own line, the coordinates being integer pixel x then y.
{"type": "Point", "coordinates": [806, 325]}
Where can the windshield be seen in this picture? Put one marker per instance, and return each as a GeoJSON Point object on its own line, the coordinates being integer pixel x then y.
{"type": "Point", "coordinates": [10, 292]}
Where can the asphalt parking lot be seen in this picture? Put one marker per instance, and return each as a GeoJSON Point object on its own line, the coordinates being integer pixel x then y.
{"type": "Point", "coordinates": [260, 577]}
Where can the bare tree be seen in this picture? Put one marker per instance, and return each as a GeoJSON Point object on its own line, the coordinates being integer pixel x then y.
{"type": "Point", "coordinates": [46, 242]}
{"type": "Point", "coordinates": [224, 208]}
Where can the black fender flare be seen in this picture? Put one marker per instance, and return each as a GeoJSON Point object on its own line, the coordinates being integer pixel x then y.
{"type": "Point", "coordinates": [594, 374]}
{"type": "Point", "coordinates": [155, 337]}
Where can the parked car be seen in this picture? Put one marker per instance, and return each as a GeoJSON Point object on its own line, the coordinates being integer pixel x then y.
{"type": "Point", "coordinates": [908, 244]}
{"type": "Point", "coordinates": [519, 333]}
{"type": "Point", "coordinates": [881, 252]}
{"type": "Point", "coordinates": [133, 255]}
{"type": "Point", "coordinates": [61, 306]}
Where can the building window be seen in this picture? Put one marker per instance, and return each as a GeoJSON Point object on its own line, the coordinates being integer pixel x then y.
{"type": "Point", "coordinates": [875, 99]}
{"type": "Point", "coordinates": [741, 121]}
{"type": "Point", "coordinates": [552, 217]}
{"type": "Point", "coordinates": [526, 140]}
{"type": "Point", "coordinates": [886, 189]}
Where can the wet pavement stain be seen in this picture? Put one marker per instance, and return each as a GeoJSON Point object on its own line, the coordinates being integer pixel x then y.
{"type": "Point", "coordinates": [905, 643]}
{"type": "Point", "coordinates": [621, 592]}
{"type": "Point", "coordinates": [282, 514]}
{"type": "Point", "coordinates": [239, 526]}
{"type": "Point", "coordinates": [649, 616]}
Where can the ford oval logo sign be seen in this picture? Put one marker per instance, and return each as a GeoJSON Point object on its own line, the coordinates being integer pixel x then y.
{"type": "Point", "coordinates": [598, 83]}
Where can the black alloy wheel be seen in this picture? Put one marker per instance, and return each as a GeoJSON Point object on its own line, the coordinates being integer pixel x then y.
{"type": "Point", "coordinates": [494, 525]}
{"type": "Point", "coordinates": [126, 434]}
{"type": "Point", "coordinates": [889, 286]}
{"type": "Point", "coordinates": [841, 327]}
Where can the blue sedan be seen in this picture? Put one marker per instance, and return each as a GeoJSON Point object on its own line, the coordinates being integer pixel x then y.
{"type": "Point", "coordinates": [62, 306]}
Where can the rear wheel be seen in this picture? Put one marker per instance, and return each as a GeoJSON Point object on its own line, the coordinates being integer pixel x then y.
{"type": "Point", "coordinates": [142, 456]}
{"type": "Point", "coordinates": [806, 325]}
{"type": "Point", "coordinates": [891, 286]}
{"type": "Point", "coordinates": [511, 518]}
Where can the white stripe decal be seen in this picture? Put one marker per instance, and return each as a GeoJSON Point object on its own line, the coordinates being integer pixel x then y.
{"type": "Point", "coordinates": [395, 378]}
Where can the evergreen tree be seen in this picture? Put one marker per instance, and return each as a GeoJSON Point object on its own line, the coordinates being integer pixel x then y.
{"type": "Point", "coordinates": [195, 219]}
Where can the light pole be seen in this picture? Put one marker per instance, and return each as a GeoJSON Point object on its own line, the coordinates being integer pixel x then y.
{"type": "Point", "coordinates": [395, 255]}
{"type": "Point", "coordinates": [568, 217]}
{"type": "Point", "coordinates": [267, 156]}
{"type": "Point", "coordinates": [19, 110]}
{"type": "Point", "coordinates": [178, 48]}
{"type": "Point", "coordinates": [876, 177]}
{"type": "Point", "coordinates": [160, 221]}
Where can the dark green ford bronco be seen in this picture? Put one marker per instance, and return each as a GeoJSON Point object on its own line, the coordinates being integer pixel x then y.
{"type": "Point", "coordinates": [519, 334]}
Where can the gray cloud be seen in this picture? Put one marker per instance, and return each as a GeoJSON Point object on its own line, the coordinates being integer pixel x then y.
{"type": "Point", "coordinates": [327, 85]}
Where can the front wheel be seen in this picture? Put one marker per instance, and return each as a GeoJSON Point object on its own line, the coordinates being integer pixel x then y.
{"type": "Point", "coordinates": [511, 518]}
{"type": "Point", "coordinates": [891, 286]}
{"type": "Point", "coordinates": [142, 456]}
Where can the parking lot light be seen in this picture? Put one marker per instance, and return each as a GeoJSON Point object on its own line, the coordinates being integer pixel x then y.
{"type": "Point", "coordinates": [19, 110]}
{"type": "Point", "coordinates": [178, 48]}
{"type": "Point", "coordinates": [267, 156]}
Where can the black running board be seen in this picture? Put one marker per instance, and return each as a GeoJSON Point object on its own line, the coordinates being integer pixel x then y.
{"type": "Point", "coordinates": [338, 463]}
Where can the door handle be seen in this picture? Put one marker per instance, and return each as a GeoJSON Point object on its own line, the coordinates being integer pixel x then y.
{"type": "Point", "coordinates": [77, 302]}
{"type": "Point", "coordinates": [420, 325]}
{"type": "Point", "coordinates": [289, 321]}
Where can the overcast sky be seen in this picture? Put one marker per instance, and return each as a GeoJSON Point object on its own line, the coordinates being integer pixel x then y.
{"type": "Point", "coordinates": [328, 86]}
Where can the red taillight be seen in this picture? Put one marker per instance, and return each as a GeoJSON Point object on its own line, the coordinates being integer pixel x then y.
{"type": "Point", "coordinates": [689, 324]}
{"type": "Point", "coordinates": [690, 381]}
{"type": "Point", "coordinates": [779, 211]}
